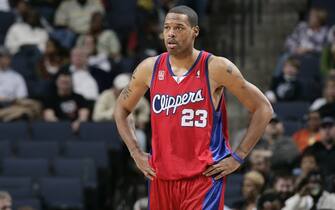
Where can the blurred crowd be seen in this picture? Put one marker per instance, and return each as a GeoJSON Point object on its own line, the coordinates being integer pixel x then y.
{"type": "Point", "coordinates": [69, 60]}
{"type": "Point", "coordinates": [291, 167]}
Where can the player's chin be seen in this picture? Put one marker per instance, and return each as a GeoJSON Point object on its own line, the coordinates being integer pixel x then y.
{"type": "Point", "coordinates": [172, 50]}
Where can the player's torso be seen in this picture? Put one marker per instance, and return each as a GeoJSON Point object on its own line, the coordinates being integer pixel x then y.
{"type": "Point", "coordinates": [182, 116]}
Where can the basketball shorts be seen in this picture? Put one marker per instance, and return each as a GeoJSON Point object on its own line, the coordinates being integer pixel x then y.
{"type": "Point", "coordinates": [198, 193]}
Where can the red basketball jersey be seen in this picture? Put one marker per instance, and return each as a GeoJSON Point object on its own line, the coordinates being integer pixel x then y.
{"type": "Point", "coordinates": [188, 134]}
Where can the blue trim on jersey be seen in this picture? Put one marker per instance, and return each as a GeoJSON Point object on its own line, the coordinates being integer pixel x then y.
{"type": "Point", "coordinates": [218, 141]}
{"type": "Point", "coordinates": [154, 71]}
{"type": "Point", "coordinates": [213, 196]}
{"type": "Point", "coordinates": [188, 71]}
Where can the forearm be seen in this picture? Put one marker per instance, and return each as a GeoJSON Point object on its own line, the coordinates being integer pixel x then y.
{"type": "Point", "coordinates": [126, 128]}
{"type": "Point", "coordinates": [83, 115]}
{"type": "Point", "coordinates": [260, 119]}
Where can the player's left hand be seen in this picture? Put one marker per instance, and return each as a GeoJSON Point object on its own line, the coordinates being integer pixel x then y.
{"type": "Point", "coordinates": [222, 168]}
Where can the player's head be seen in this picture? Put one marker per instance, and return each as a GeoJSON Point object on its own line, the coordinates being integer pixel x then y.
{"type": "Point", "coordinates": [180, 30]}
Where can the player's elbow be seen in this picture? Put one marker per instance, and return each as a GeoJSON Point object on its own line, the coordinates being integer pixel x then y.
{"type": "Point", "coordinates": [120, 113]}
{"type": "Point", "coordinates": [267, 111]}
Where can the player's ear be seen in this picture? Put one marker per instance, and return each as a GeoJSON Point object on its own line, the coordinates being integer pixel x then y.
{"type": "Point", "coordinates": [196, 31]}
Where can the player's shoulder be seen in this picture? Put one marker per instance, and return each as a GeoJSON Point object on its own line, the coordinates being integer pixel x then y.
{"type": "Point", "coordinates": [148, 62]}
{"type": "Point", "coordinates": [144, 70]}
{"type": "Point", "coordinates": [218, 62]}
{"type": "Point", "coordinates": [218, 65]}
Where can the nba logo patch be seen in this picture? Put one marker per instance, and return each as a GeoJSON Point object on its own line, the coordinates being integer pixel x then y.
{"type": "Point", "coordinates": [198, 74]}
{"type": "Point", "coordinates": [161, 75]}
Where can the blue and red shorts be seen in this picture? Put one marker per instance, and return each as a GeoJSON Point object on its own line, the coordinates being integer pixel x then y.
{"type": "Point", "coordinates": [198, 193]}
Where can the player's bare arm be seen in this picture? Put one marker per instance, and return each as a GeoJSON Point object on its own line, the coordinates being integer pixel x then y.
{"type": "Point", "coordinates": [126, 103]}
{"type": "Point", "coordinates": [223, 73]}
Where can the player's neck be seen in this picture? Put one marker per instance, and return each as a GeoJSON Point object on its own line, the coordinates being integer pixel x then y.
{"type": "Point", "coordinates": [184, 60]}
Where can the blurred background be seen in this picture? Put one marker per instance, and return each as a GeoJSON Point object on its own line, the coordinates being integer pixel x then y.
{"type": "Point", "coordinates": [64, 62]}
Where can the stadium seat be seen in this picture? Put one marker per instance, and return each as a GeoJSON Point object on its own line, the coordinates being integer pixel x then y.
{"type": "Point", "coordinates": [84, 169]}
{"type": "Point", "coordinates": [33, 203]}
{"type": "Point", "coordinates": [47, 150]}
{"type": "Point", "coordinates": [311, 89]}
{"type": "Point", "coordinates": [291, 110]}
{"type": "Point", "coordinates": [35, 167]}
{"type": "Point", "coordinates": [62, 193]}
{"type": "Point", "coordinates": [233, 191]}
{"type": "Point", "coordinates": [95, 150]}
{"type": "Point", "coordinates": [291, 126]}
{"type": "Point", "coordinates": [5, 149]}
{"type": "Point", "coordinates": [55, 131]}
{"type": "Point", "coordinates": [14, 131]}
{"type": "Point", "coordinates": [18, 187]}
{"type": "Point", "coordinates": [104, 131]}
{"type": "Point", "coordinates": [309, 66]}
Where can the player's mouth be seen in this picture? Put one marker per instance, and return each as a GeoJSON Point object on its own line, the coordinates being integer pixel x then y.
{"type": "Point", "coordinates": [171, 44]}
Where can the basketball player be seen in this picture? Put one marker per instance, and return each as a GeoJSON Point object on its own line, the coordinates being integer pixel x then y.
{"type": "Point", "coordinates": [190, 151]}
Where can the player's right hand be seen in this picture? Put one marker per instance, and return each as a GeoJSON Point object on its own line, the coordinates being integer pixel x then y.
{"type": "Point", "coordinates": [142, 162]}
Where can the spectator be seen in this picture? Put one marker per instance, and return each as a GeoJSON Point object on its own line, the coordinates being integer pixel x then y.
{"type": "Point", "coordinates": [260, 162]}
{"type": "Point", "coordinates": [324, 150]}
{"type": "Point", "coordinates": [83, 82]}
{"type": "Point", "coordinates": [253, 184]}
{"type": "Point", "coordinates": [311, 195]}
{"type": "Point", "coordinates": [269, 201]}
{"type": "Point", "coordinates": [4, 5]}
{"type": "Point", "coordinates": [107, 41]}
{"type": "Point", "coordinates": [308, 163]}
{"type": "Point", "coordinates": [26, 33]}
{"type": "Point", "coordinates": [5, 201]}
{"type": "Point", "coordinates": [284, 185]}
{"type": "Point", "coordinates": [64, 104]}
{"type": "Point", "coordinates": [328, 95]}
{"type": "Point", "coordinates": [95, 59]}
{"type": "Point", "coordinates": [286, 87]}
{"type": "Point", "coordinates": [13, 92]}
{"type": "Point", "coordinates": [328, 109]}
{"type": "Point", "coordinates": [12, 85]}
{"type": "Point", "coordinates": [310, 36]}
{"type": "Point", "coordinates": [309, 135]}
{"type": "Point", "coordinates": [141, 204]}
{"type": "Point", "coordinates": [76, 14]}
{"type": "Point", "coordinates": [21, 8]}
{"type": "Point", "coordinates": [282, 148]}
{"type": "Point", "coordinates": [105, 105]}
{"type": "Point", "coordinates": [52, 60]}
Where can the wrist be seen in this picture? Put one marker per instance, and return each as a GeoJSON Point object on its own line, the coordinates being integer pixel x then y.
{"type": "Point", "coordinates": [237, 157]}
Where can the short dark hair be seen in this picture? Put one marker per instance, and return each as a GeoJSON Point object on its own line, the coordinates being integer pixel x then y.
{"type": "Point", "coordinates": [293, 61]}
{"type": "Point", "coordinates": [185, 10]}
{"type": "Point", "coordinates": [268, 196]}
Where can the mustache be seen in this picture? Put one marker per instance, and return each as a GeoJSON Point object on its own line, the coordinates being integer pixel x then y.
{"type": "Point", "coordinates": [172, 41]}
